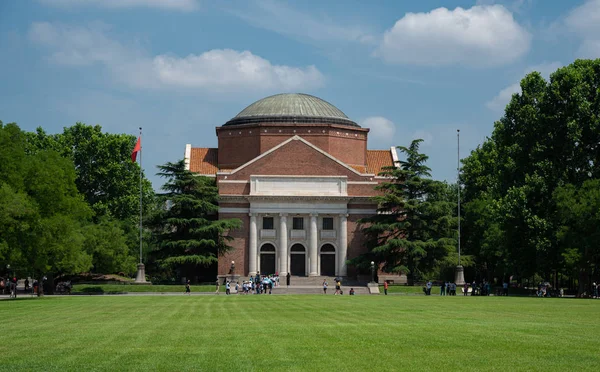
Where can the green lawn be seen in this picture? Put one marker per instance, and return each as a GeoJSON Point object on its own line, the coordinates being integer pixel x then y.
{"type": "Point", "coordinates": [136, 288]}
{"type": "Point", "coordinates": [304, 332]}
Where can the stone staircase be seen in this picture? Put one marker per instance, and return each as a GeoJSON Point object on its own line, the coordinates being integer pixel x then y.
{"type": "Point", "coordinates": [318, 281]}
{"type": "Point", "coordinates": [314, 285]}
{"type": "Point", "coordinates": [318, 290]}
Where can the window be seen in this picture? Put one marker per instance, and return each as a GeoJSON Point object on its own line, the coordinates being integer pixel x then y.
{"type": "Point", "coordinates": [267, 223]}
{"type": "Point", "coordinates": [327, 223]}
{"type": "Point", "coordinates": [298, 223]}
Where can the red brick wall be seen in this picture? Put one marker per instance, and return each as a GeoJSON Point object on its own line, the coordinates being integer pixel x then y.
{"type": "Point", "coordinates": [235, 149]}
{"type": "Point", "coordinates": [240, 145]}
{"type": "Point", "coordinates": [349, 149]}
{"type": "Point", "coordinates": [233, 188]}
{"type": "Point", "coordinates": [240, 244]}
{"type": "Point", "coordinates": [356, 239]}
{"type": "Point", "coordinates": [233, 205]}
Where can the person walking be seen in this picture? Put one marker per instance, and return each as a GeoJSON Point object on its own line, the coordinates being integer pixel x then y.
{"type": "Point", "coordinates": [443, 289]}
{"type": "Point", "coordinates": [385, 287]}
{"type": "Point", "coordinates": [466, 289]}
{"type": "Point", "coordinates": [217, 287]}
{"type": "Point", "coordinates": [227, 288]}
{"type": "Point", "coordinates": [337, 288]}
{"type": "Point", "coordinates": [13, 287]}
{"type": "Point", "coordinates": [324, 286]}
{"type": "Point", "coordinates": [188, 290]}
{"type": "Point", "coordinates": [288, 278]}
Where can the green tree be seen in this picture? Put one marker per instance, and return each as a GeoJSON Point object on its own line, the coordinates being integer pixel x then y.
{"type": "Point", "coordinates": [41, 211]}
{"type": "Point", "coordinates": [414, 228]}
{"type": "Point", "coordinates": [106, 176]}
{"type": "Point", "coordinates": [548, 137]}
{"type": "Point", "coordinates": [188, 232]}
{"type": "Point", "coordinates": [106, 242]}
{"type": "Point", "coordinates": [579, 216]}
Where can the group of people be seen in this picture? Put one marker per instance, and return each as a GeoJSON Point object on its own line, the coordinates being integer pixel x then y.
{"type": "Point", "coordinates": [10, 286]}
{"type": "Point", "coordinates": [338, 288]}
{"type": "Point", "coordinates": [483, 289]}
{"type": "Point", "coordinates": [254, 285]}
{"type": "Point", "coordinates": [475, 289]}
{"type": "Point", "coordinates": [446, 288]}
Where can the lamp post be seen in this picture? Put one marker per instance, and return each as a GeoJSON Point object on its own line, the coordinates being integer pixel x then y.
{"type": "Point", "coordinates": [232, 267]}
{"type": "Point", "coordinates": [372, 272]}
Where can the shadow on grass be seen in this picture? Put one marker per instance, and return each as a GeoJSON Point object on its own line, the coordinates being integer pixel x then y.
{"type": "Point", "coordinates": [95, 291]}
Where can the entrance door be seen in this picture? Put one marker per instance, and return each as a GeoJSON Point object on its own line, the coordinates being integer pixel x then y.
{"type": "Point", "coordinates": [267, 259]}
{"type": "Point", "coordinates": [298, 260]}
{"type": "Point", "coordinates": [267, 264]}
{"type": "Point", "coordinates": [327, 260]}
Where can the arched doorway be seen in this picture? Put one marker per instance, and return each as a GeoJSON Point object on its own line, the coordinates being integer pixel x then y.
{"type": "Point", "coordinates": [298, 260]}
{"type": "Point", "coordinates": [328, 260]}
{"type": "Point", "coordinates": [267, 259]}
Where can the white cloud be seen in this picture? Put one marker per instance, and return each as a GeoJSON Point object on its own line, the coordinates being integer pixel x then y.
{"type": "Point", "coordinates": [279, 17]}
{"type": "Point", "coordinates": [76, 45]}
{"type": "Point", "coordinates": [222, 70]}
{"type": "Point", "coordinates": [179, 5]}
{"type": "Point", "coordinates": [381, 132]}
{"type": "Point", "coordinates": [585, 22]}
{"type": "Point", "coordinates": [479, 36]}
{"type": "Point", "coordinates": [499, 102]}
{"type": "Point", "coordinates": [515, 6]}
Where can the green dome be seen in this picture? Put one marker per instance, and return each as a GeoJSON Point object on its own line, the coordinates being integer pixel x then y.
{"type": "Point", "coordinates": [291, 107]}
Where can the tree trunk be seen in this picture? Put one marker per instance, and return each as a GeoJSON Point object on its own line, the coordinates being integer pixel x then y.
{"type": "Point", "coordinates": [583, 279]}
{"type": "Point", "coordinates": [410, 276]}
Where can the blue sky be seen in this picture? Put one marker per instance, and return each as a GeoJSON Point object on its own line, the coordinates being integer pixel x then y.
{"type": "Point", "coordinates": [179, 68]}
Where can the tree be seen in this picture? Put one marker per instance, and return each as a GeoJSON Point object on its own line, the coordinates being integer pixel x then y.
{"type": "Point", "coordinates": [106, 242]}
{"type": "Point", "coordinates": [414, 226]}
{"type": "Point", "coordinates": [579, 216]}
{"type": "Point", "coordinates": [188, 232]}
{"type": "Point", "coordinates": [106, 176]}
{"type": "Point", "coordinates": [41, 211]}
{"type": "Point", "coordinates": [548, 137]}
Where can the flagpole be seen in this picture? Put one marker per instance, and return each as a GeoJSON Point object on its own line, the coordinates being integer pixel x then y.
{"type": "Point", "coordinates": [141, 169]}
{"type": "Point", "coordinates": [457, 185]}
{"type": "Point", "coordinates": [459, 278]}
{"type": "Point", "coordinates": [140, 277]}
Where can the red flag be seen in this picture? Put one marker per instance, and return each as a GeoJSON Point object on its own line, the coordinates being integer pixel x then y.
{"type": "Point", "coordinates": [136, 149]}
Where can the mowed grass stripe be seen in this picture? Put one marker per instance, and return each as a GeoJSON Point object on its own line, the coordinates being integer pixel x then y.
{"type": "Point", "coordinates": [260, 332]}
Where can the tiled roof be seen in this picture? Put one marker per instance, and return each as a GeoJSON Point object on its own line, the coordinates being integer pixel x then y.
{"type": "Point", "coordinates": [204, 160]}
{"type": "Point", "coordinates": [377, 159]}
{"type": "Point", "coordinates": [359, 168]}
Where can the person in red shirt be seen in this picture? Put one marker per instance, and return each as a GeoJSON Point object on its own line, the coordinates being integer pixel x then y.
{"type": "Point", "coordinates": [385, 287]}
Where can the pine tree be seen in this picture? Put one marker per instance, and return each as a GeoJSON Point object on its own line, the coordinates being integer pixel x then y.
{"type": "Point", "coordinates": [189, 233]}
{"type": "Point", "coordinates": [413, 227]}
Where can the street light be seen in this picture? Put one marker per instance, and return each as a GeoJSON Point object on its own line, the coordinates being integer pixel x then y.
{"type": "Point", "coordinates": [232, 267]}
{"type": "Point", "coordinates": [372, 272]}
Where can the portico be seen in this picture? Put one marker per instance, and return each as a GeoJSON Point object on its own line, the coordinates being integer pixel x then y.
{"type": "Point", "coordinates": [306, 224]}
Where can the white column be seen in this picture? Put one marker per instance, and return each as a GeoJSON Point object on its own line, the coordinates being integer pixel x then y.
{"type": "Point", "coordinates": [343, 250]}
{"type": "Point", "coordinates": [312, 248]}
{"type": "Point", "coordinates": [252, 244]}
{"type": "Point", "coordinates": [283, 245]}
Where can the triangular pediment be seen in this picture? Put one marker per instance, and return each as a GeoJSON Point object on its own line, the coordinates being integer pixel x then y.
{"type": "Point", "coordinates": [294, 157]}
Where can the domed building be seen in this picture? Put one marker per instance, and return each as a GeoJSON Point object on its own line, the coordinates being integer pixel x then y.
{"type": "Point", "coordinates": [297, 172]}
